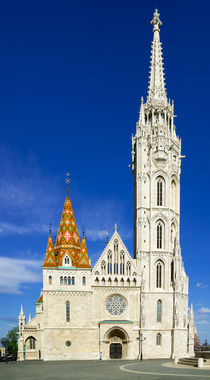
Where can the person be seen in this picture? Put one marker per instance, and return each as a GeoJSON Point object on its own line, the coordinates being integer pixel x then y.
{"type": "Point", "coordinates": [100, 355]}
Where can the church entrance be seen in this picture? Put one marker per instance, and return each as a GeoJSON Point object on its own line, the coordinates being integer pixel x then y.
{"type": "Point", "coordinates": [115, 351]}
{"type": "Point", "coordinates": [118, 342]}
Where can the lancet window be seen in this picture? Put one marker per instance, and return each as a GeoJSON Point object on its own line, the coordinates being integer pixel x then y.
{"type": "Point", "coordinates": [158, 339]}
{"type": "Point", "coordinates": [109, 258]}
{"type": "Point", "coordinates": [67, 311]}
{"type": "Point", "coordinates": [128, 268]}
{"type": "Point", "coordinates": [122, 263]}
{"type": "Point", "coordinates": [83, 280]}
{"type": "Point", "coordinates": [159, 274]}
{"type": "Point", "coordinates": [160, 191]}
{"type": "Point", "coordinates": [103, 268]}
{"type": "Point", "coordinates": [159, 311]}
{"type": "Point", "coordinates": [115, 257]}
{"type": "Point", "coordinates": [160, 234]}
{"type": "Point", "coordinates": [50, 280]}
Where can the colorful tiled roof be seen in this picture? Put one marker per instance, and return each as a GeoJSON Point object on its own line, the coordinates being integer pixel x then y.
{"type": "Point", "coordinates": [67, 241]}
{"type": "Point", "coordinates": [40, 300]}
{"type": "Point", "coordinates": [83, 261]}
{"type": "Point", "coordinates": [50, 256]}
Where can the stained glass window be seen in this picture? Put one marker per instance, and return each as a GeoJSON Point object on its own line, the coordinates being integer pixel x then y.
{"type": "Point", "coordinates": [115, 305]}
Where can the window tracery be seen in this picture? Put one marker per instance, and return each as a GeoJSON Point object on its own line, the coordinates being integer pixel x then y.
{"type": "Point", "coordinates": [115, 305]}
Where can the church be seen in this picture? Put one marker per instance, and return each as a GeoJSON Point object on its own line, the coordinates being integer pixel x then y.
{"type": "Point", "coordinates": [124, 307]}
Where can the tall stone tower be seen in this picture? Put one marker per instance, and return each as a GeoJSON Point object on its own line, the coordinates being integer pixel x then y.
{"type": "Point", "coordinates": [156, 164]}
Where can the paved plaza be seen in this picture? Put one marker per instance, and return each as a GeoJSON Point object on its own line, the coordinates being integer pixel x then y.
{"type": "Point", "coordinates": [100, 370]}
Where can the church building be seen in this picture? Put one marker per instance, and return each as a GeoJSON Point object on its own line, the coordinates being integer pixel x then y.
{"type": "Point", "coordinates": [124, 306]}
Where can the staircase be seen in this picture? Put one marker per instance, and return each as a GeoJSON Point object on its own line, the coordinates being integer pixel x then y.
{"type": "Point", "coordinates": [193, 362]}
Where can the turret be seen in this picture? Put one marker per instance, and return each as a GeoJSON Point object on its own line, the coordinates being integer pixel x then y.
{"type": "Point", "coordinates": [22, 321]}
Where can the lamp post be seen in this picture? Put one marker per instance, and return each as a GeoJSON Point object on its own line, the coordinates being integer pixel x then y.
{"type": "Point", "coordinates": [141, 340]}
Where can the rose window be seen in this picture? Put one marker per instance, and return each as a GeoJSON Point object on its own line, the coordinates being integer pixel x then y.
{"type": "Point", "coordinates": [115, 305]}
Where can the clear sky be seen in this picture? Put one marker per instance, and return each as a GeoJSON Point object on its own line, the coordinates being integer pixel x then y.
{"type": "Point", "coordinates": [71, 77]}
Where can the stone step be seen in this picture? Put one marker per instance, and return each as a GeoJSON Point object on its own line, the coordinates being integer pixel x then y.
{"type": "Point", "coordinates": [189, 361]}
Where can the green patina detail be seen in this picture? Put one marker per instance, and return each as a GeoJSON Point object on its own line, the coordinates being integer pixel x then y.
{"type": "Point", "coordinates": [156, 10]}
{"type": "Point", "coordinates": [116, 322]}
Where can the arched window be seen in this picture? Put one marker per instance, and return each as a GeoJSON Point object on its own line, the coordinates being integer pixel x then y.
{"type": "Point", "coordinates": [103, 267]}
{"type": "Point", "coordinates": [173, 195]}
{"type": "Point", "coordinates": [73, 281]}
{"type": "Point", "coordinates": [160, 234]}
{"type": "Point", "coordinates": [50, 280]}
{"type": "Point", "coordinates": [115, 257]}
{"type": "Point", "coordinates": [69, 280]}
{"type": "Point", "coordinates": [160, 191]}
{"type": "Point", "coordinates": [128, 268]}
{"type": "Point", "coordinates": [61, 280]}
{"type": "Point", "coordinates": [158, 339]}
{"type": "Point", "coordinates": [84, 280]}
{"type": "Point", "coordinates": [32, 343]}
{"type": "Point", "coordinates": [97, 281]}
{"type": "Point", "coordinates": [65, 280]}
{"type": "Point", "coordinates": [122, 263]}
{"type": "Point", "coordinates": [67, 311]}
{"type": "Point", "coordinates": [109, 256]}
{"type": "Point", "coordinates": [172, 272]}
{"type": "Point", "coordinates": [66, 260]}
{"type": "Point", "coordinates": [159, 311]}
{"type": "Point", "coordinates": [159, 274]}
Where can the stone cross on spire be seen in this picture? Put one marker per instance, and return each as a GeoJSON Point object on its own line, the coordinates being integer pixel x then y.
{"type": "Point", "coordinates": [156, 88]}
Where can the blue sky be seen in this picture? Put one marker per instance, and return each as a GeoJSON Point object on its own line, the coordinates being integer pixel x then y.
{"type": "Point", "coordinates": [71, 77]}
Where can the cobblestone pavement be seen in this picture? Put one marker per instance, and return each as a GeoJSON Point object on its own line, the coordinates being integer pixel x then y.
{"type": "Point", "coordinates": [99, 370]}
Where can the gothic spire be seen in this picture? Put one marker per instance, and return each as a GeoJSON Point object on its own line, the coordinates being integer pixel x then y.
{"type": "Point", "coordinates": [156, 87]}
{"type": "Point", "coordinates": [50, 255]}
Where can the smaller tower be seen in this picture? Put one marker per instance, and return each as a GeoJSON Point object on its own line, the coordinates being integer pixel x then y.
{"type": "Point", "coordinates": [191, 332]}
{"type": "Point", "coordinates": [22, 321]}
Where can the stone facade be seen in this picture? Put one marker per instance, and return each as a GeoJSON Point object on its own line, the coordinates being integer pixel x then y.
{"type": "Point", "coordinates": [123, 307]}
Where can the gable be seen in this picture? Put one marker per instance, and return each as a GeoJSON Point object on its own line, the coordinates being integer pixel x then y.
{"type": "Point", "coordinates": [115, 266]}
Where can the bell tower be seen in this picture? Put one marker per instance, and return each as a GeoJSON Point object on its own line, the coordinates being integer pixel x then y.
{"type": "Point", "coordinates": [156, 167]}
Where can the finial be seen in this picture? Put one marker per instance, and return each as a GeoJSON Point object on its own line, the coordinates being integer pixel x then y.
{"type": "Point", "coordinates": [83, 231]}
{"type": "Point", "coordinates": [115, 228]}
{"type": "Point", "coordinates": [67, 182]}
{"type": "Point", "coordinates": [107, 235]}
{"type": "Point", "coordinates": [156, 22]}
{"type": "Point", "coordinates": [50, 228]}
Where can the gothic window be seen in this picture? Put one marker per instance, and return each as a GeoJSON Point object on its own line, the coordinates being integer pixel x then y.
{"type": "Point", "coordinates": [134, 282]}
{"type": "Point", "coordinates": [115, 305]}
{"type": "Point", "coordinates": [109, 257]}
{"type": "Point", "coordinates": [61, 280]}
{"type": "Point", "coordinates": [159, 274]}
{"type": "Point", "coordinates": [97, 281]}
{"type": "Point", "coordinates": [128, 268]}
{"type": "Point", "coordinates": [69, 280]}
{"type": "Point", "coordinates": [172, 271]}
{"type": "Point", "coordinates": [173, 195]}
{"type": "Point", "coordinates": [159, 311]}
{"type": "Point", "coordinates": [160, 191]}
{"type": "Point", "coordinates": [73, 281]}
{"type": "Point", "coordinates": [32, 343]}
{"type": "Point", "coordinates": [66, 260]}
{"type": "Point", "coordinates": [160, 234]}
{"type": "Point", "coordinates": [65, 280]}
{"type": "Point", "coordinates": [103, 267]}
{"type": "Point", "coordinates": [67, 311]}
{"type": "Point", "coordinates": [50, 280]}
{"type": "Point", "coordinates": [122, 263]}
{"type": "Point", "coordinates": [158, 339]}
{"type": "Point", "coordinates": [115, 257]}
{"type": "Point", "coordinates": [84, 280]}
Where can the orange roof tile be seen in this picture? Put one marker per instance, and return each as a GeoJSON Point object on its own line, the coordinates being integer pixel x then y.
{"type": "Point", "coordinates": [40, 300]}
{"type": "Point", "coordinates": [83, 260]}
{"type": "Point", "coordinates": [67, 240]}
{"type": "Point", "coordinates": [50, 256]}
